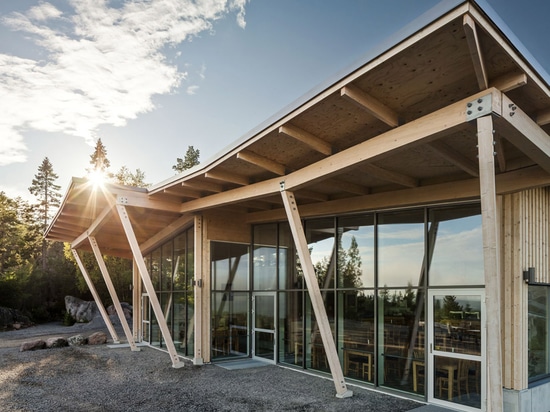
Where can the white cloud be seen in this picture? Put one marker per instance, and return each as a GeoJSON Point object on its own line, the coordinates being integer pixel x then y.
{"type": "Point", "coordinates": [191, 90]}
{"type": "Point", "coordinates": [103, 64]}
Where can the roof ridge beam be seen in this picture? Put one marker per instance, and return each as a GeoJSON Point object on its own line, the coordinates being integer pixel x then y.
{"type": "Point", "coordinates": [307, 138]}
{"type": "Point", "coordinates": [475, 51]}
{"type": "Point", "coordinates": [262, 162]}
{"type": "Point", "coordinates": [365, 101]}
{"type": "Point", "coordinates": [448, 153]}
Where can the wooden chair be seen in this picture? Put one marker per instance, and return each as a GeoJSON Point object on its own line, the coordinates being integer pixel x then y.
{"type": "Point", "coordinates": [461, 378]}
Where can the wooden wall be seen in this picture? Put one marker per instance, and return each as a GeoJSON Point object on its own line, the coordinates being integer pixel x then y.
{"type": "Point", "coordinates": [525, 233]}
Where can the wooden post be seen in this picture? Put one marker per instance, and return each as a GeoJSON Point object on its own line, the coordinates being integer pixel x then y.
{"type": "Point", "coordinates": [100, 306]}
{"type": "Point", "coordinates": [198, 290]}
{"type": "Point", "coordinates": [491, 261]}
{"type": "Point", "coordinates": [315, 294]}
{"type": "Point", "coordinates": [113, 294]}
{"type": "Point", "coordinates": [136, 303]}
{"type": "Point", "coordinates": [155, 304]}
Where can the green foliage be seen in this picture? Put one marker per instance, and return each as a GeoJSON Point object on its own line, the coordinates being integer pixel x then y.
{"type": "Point", "coordinates": [125, 177]}
{"type": "Point", "coordinates": [68, 320]}
{"type": "Point", "coordinates": [46, 191]}
{"type": "Point", "coordinates": [191, 159]}
{"type": "Point", "coordinates": [98, 159]}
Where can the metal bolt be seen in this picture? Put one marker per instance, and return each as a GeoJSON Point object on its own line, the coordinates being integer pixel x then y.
{"type": "Point", "coordinates": [480, 100]}
{"type": "Point", "coordinates": [469, 104]}
{"type": "Point", "coordinates": [512, 113]}
{"type": "Point", "coordinates": [479, 108]}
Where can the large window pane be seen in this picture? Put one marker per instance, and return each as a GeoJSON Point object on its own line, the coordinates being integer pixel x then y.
{"type": "Point", "coordinates": [229, 266]}
{"type": "Point", "coordinates": [291, 328]}
{"type": "Point", "coordinates": [356, 337]}
{"type": "Point", "coordinates": [400, 248]}
{"type": "Point", "coordinates": [456, 246]}
{"type": "Point", "coordinates": [265, 257]}
{"type": "Point", "coordinates": [166, 267]}
{"type": "Point", "coordinates": [229, 324]}
{"type": "Point", "coordinates": [315, 356]}
{"type": "Point", "coordinates": [320, 239]}
{"type": "Point", "coordinates": [401, 337]}
{"type": "Point", "coordinates": [180, 256]}
{"type": "Point", "coordinates": [289, 276]}
{"type": "Point", "coordinates": [539, 363]}
{"type": "Point", "coordinates": [356, 252]}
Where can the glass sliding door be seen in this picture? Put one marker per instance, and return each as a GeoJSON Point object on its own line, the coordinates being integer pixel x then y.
{"type": "Point", "coordinates": [456, 358]}
{"type": "Point", "coordinates": [263, 326]}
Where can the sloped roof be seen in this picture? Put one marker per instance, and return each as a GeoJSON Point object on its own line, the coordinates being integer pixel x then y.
{"type": "Point", "coordinates": [335, 146]}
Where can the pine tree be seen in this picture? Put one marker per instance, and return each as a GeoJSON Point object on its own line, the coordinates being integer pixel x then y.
{"type": "Point", "coordinates": [191, 159]}
{"type": "Point", "coordinates": [125, 177]}
{"type": "Point", "coordinates": [44, 188]}
{"type": "Point", "coordinates": [98, 159]}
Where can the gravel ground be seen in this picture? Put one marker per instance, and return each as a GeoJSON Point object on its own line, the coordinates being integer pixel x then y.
{"type": "Point", "coordinates": [97, 378]}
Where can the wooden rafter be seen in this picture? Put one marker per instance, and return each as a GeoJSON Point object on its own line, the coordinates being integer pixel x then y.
{"type": "Point", "coordinates": [143, 200]}
{"type": "Point", "coordinates": [543, 117]}
{"type": "Point", "coordinates": [167, 231]}
{"type": "Point", "coordinates": [509, 81]}
{"type": "Point", "coordinates": [262, 162]}
{"type": "Point", "coordinates": [227, 177]}
{"type": "Point", "coordinates": [370, 104]}
{"type": "Point", "coordinates": [185, 192]}
{"type": "Point", "coordinates": [307, 138]}
{"type": "Point", "coordinates": [389, 176]}
{"type": "Point", "coordinates": [415, 132]}
{"type": "Point", "coordinates": [454, 157]}
{"type": "Point", "coordinates": [202, 185]}
{"type": "Point", "coordinates": [349, 187]}
{"type": "Point", "coordinates": [309, 194]}
{"type": "Point", "coordinates": [475, 52]}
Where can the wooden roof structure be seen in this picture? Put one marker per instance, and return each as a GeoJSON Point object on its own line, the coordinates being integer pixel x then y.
{"type": "Point", "coordinates": [396, 131]}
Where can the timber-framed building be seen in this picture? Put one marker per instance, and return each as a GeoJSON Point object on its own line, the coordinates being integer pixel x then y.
{"type": "Point", "coordinates": [390, 229]}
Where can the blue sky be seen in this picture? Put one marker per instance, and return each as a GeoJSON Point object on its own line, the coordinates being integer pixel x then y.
{"type": "Point", "coordinates": [152, 77]}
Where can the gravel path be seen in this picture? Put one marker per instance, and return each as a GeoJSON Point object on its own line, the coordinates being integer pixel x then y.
{"type": "Point", "coordinates": [96, 378]}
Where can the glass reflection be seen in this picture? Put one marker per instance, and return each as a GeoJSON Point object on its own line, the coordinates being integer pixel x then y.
{"type": "Point", "coordinates": [315, 356]}
{"type": "Point", "coordinates": [229, 324]}
{"type": "Point", "coordinates": [320, 239]}
{"type": "Point", "coordinates": [456, 246]}
{"type": "Point", "coordinates": [291, 330]}
{"type": "Point", "coordinates": [401, 329]}
{"type": "Point", "coordinates": [401, 249]}
{"type": "Point", "coordinates": [265, 257]}
{"type": "Point", "coordinates": [356, 334]}
{"type": "Point", "coordinates": [356, 252]}
{"type": "Point", "coordinates": [457, 381]}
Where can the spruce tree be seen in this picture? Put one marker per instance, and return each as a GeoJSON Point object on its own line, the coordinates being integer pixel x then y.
{"type": "Point", "coordinates": [98, 159]}
{"type": "Point", "coordinates": [46, 191]}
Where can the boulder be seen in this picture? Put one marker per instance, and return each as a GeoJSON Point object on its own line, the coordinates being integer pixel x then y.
{"type": "Point", "coordinates": [126, 308]}
{"type": "Point", "coordinates": [57, 342]}
{"type": "Point", "coordinates": [77, 340]}
{"type": "Point", "coordinates": [97, 338]}
{"type": "Point", "coordinates": [81, 310]}
{"type": "Point", "coordinates": [13, 319]}
{"type": "Point", "coordinates": [32, 345]}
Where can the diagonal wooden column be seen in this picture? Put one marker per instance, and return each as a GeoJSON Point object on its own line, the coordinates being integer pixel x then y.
{"type": "Point", "coordinates": [491, 259]}
{"type": "Point", "coordinates": [97, 300]}
{"type": "Point", "coordinates": [148, 284]}
{"type": "Point", "coordinates": [315, 294]}
{"type": "Point", "coordinates": [113, 294]}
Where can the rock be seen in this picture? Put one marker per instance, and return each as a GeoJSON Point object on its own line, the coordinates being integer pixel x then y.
{"type": "Point", "coordinates": [97, 338]}
{"type": "Point", "coordinates": [57, 342]}
{"type": "Point", "coordinates": [12, 319]}
{"type": "Point", "coordinates": [126, 308]}
{"type": "Point", "coordinates": [76, 340]}
{"type": "Point", "coordinates": [32, 345]}
{"type": "Point", "coordinates": [81, 310]}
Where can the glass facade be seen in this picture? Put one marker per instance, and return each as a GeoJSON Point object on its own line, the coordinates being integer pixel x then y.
{"type": "Point", "coordinates": [373, 271]}
{"type": "Point", "coordinates": [538, 335]}
{"type": "Point", "coordinates": [171, 267]}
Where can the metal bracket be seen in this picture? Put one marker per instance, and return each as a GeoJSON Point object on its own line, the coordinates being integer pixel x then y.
{"type": "Point", "coordinates": [282, 185]}
{"type": "Point", "coordinates": [122, 200]}
{"type": "Point", "coordinates": [479, 107]}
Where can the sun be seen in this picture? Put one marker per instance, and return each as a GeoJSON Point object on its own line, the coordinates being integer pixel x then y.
{"type": "Point", "coordinates": [97, 177]}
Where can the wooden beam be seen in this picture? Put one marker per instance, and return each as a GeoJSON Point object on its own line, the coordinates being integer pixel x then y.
{"type": "Point", "coordinates": [309, 194]}
{"type": "Point", "coordinates": [307, 138]}
{"type": "Point", "coordinates": [143, 200]}
{"type": "Point", "coordinates": [461, 190]}
{"type": "Point", "coordinates": [454, 157]}
{"type": "Point", "coordinates": [317, 304]}
{"type": "Point", "coordinates": [370, 104]}
{"type": "Point", "coordinates": [94, 227]}
{"type": "Point", "coordinates": [227, 177]}
{"type": "Point", "coordinates": [416, 132]}
{"type": "Point", "coordinates": [389, 176]}
{"type": "Point", "coordinates": [97, 299]}
{"type": "Point", "coordinates": [202, 185]}
{"type": "Point", "coordinates": [475, 52]}
{"type": "Point", "coordinates": [525, 134]}
{"type": "Point", "coordinates": [113, 294]}
{"type": "Point", "coordinates": [543, 117]}
{"type": "Point", "coordinates": [501, 156]}
{"type": "Point", "coordinates": [183, 192]}
{"type": "Point", "coordinates": [262, 162]}
{"type": "Point", "coordinates": [509, 82]}
{"type": "Point", "coordinates": [148, 284]}
{"type": "Point", "coordinates": [491, 262]}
